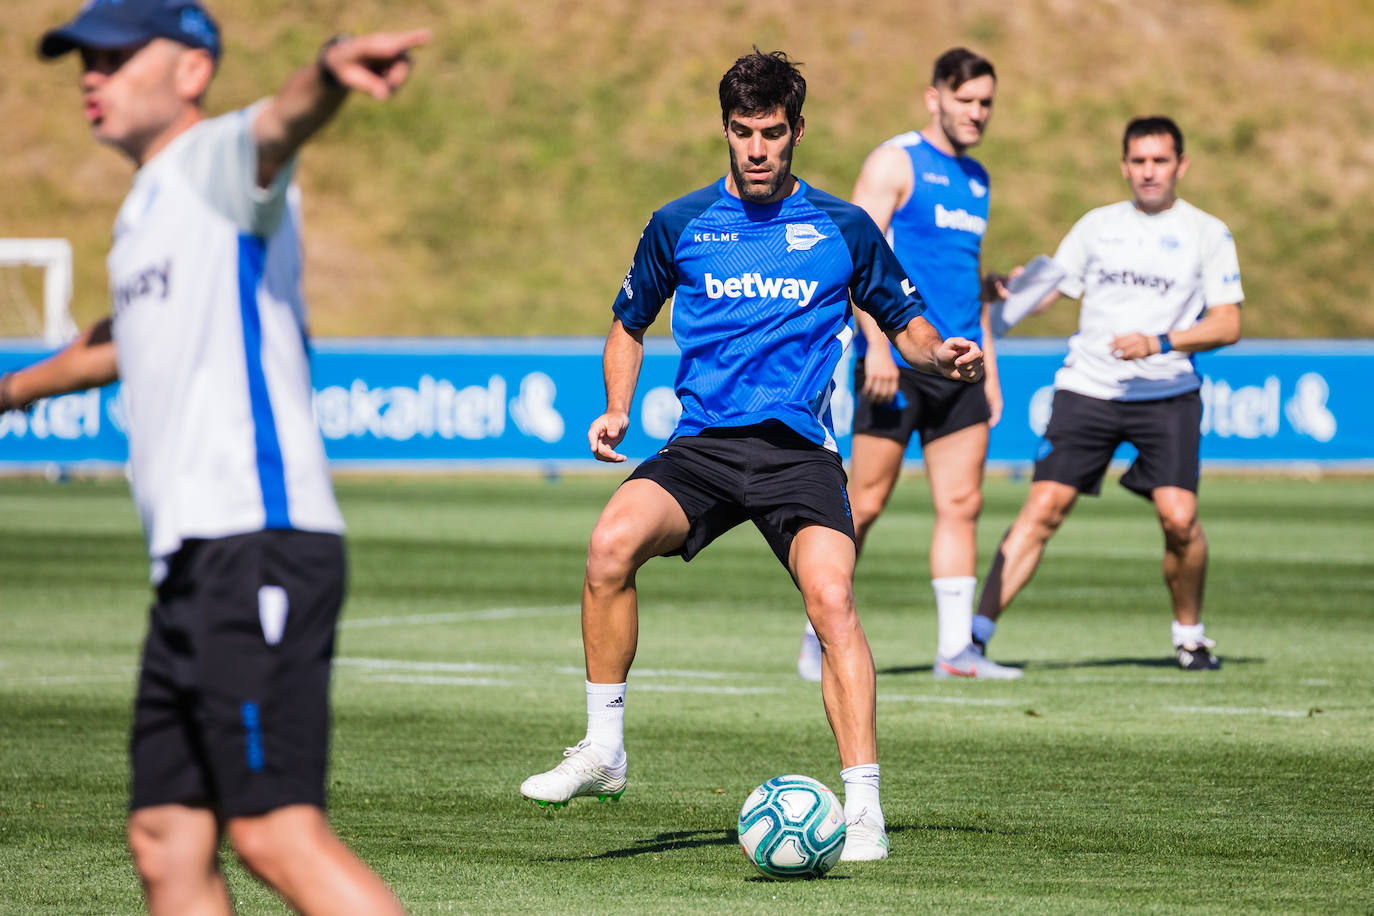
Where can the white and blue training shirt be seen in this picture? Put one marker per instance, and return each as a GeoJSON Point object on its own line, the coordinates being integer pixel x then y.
{"type": "Point", "coordinates": [209, 331]}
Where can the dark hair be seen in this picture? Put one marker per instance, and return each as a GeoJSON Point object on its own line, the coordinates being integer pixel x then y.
{"type": "Point", "coordinates": [1153, 126]}
{"type": "Point", "coordinates": [959, 65]}
{"type": "Point", "coordinates": [760, 83]}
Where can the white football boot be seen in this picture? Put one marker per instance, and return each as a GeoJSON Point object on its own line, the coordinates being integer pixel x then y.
{"type": "Point", "coordinates": [865, 839]}
{"type": "Point", "coordinates": [971, 663]}
{"type": "Point", "coordinates": [584, 771]}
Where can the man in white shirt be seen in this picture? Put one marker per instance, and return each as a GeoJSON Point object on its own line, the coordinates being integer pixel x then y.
{"type": "Point", "coordinates": [207, 334]}
{"type": "Point", "coordinates": [1160, 281]}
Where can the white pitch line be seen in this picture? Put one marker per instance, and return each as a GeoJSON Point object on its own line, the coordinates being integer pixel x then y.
{"type": "Point", "coordinates": [1240, 711]}
{"type": "Point", "coordinates": [389, 664]}
{"type": "Point", "coordinates": [492, 613]}
{"type": "Point", "coordinates": [52, 680]}
{"type": "Point", "coordinates": [436, 679]}
{"type": "Point", "coordinates": [953, 701]}
{"type": "Point", "coordinates": [669, 688]}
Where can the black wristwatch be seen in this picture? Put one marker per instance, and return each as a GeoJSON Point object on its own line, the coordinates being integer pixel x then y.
{"type": "Point", "coordinates": [327, 74]}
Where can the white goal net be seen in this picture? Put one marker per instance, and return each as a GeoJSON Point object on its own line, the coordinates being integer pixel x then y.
{"type": "Point", "coordinates": [36, 290]}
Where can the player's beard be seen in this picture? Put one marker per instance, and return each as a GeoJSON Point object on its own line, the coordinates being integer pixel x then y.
{"type": "Point", "coordinates": [783, 173]}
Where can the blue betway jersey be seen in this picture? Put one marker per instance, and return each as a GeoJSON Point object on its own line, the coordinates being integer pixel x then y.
{"type": "Point", "coordinates": [938, 235]}
{"type": "Point", "coordinates": [761, 308]}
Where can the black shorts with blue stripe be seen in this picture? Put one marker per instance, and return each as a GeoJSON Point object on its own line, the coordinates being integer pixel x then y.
{"type": "Point", "coordinates": [232, 712]}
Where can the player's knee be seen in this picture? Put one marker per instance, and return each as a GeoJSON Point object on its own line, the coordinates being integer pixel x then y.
{"type": "Point", "coordinates": [257, 843]}
{"type": "Point", "coordinates": [1181, 529]}
{"type": "Point", "coordinates": [866, 507]}
{"type": "Point", "coordinates": [610, 559]}
{"type": "Point", "coordinates": [830, 602]}
{"type": "Point", "coordinates": [960, 505]}
{"type": "Point", "coordinates": [152, 852]}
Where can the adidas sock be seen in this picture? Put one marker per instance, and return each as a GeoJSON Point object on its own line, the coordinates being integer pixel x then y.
{"type": "Point", "coordinates": [861, 791]}
{"type": "Point", "coordinates": [954, 611]}
{"type": "Point", "coordinates": [983, 628]}
{"type": "Point", "coordinates": [1187, 633]}
{"type": "Point", "coordinates": [606, 718]}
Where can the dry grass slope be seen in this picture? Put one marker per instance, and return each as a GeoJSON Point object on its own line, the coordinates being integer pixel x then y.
{"type": "Point", "coordinates": [504, 192]}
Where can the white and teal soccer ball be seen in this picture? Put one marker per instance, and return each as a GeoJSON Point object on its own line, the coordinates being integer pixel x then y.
{"type": "Point", "coordinates": [792, 827]}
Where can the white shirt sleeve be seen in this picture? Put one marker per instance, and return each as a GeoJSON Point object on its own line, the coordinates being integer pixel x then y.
{"type": "Point", "coordinates": [1072, 258]}
{"type": "Point", "coordinates": [221, 161]}
{"type": "Point", "coordinates": [1220, 267]}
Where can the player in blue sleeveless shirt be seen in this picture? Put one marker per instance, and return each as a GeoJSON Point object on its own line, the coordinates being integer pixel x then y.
{"type": "Point", "coordinates": [761, 268]}
{"type": "Point", "coordinates": [931, 199]}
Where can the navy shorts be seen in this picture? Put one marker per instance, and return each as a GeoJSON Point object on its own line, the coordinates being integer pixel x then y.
{"type": "Point", "coordinates": [767, 474]}
{"type": "Point", "coordinates": [931, 405]}
{"type": "Point", "coordinates": [232, 711]}
{"type": "Point", "coordinates": [1084, 433]}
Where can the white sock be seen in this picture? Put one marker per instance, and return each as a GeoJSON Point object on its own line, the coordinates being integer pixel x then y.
{"type": "Point", "coordinates": [606, 718]}
{"type": "Point", "coordinates": [861, 791]}
{"type": "Point", "coordinates": [954, 610]}
{"type": "Point", "coordinates": [1182, 634]}
{"type": "Point", "coordinates": [983, 628]}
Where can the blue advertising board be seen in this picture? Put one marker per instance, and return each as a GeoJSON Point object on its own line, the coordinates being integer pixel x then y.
{"type": "Point", "coordinates": [527, 402]}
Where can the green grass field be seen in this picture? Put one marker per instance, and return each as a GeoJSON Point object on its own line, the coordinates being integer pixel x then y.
{"type": "Point", "coordinates": [1105, 780]}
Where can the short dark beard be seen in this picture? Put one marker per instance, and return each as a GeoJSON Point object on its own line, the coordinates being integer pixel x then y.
{"type": "Point", "coordinates": [779, 178]}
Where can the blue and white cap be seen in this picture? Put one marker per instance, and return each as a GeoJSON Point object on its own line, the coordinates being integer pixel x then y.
{"type": "Point", "coordinates": [106, 24]}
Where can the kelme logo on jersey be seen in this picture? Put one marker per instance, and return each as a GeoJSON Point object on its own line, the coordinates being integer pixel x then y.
{"type": "Point", "coordinates": [761, 287]}
{"type": "Point", "coordinates": [803, 236]}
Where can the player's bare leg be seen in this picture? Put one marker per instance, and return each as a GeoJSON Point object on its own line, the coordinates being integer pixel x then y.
{"type": "Point", "coordinates": [175, 850]}
{"type": "Point", "coordinates": [954, 467]}
{"type": "Point", "coordinates": [295, 851]}
{"type": "Point", "coordinates": [642, 520]}
{"type": "Point", "coordinates": [1185, 551]}
{"type": "Point", "coordinates": [875, 464]}
{"type": "Point", "coordinates": [822, 564]}
{"type": "Point", "coordinates": [1018, 556]}
{"type": "Point", "coordinates": [1185, 573]}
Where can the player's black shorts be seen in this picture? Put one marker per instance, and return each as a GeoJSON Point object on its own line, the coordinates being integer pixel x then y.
{"type": "Point", "coordinates": [767, 474]}
{"type": "Point", "coordinates": [1084, 432]}
{"type": "Point", "coordinates": [931, 405]}
{"type": "Point", "coordinates": [233, 697]}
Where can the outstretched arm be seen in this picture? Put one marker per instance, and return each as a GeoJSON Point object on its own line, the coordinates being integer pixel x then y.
{"type": "Point", "coordinates": [87, 362]}
{"type": "Point", "coordinates": [955, 358]}
{"type": "Point", "coordinates": [378, 64]}
{"type": "Point", "coordinates": [620, 364]}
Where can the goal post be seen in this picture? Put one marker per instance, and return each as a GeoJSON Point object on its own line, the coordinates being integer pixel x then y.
{"type": "Point", "coordinates": [18, 316]}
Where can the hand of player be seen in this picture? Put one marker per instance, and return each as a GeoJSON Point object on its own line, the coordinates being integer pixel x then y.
{"type": "Point", "coordinates": [1133, 346]}
{"type": "Point", "coordinates": [995, 284]}
{"type": "Point", "coordinates": [881, 375]}
{"type": "Point", "coordinates": [960, 359]}
{"type": "Point", "coordinates": [994, 394]}
{"type": "Point", "coordinates": [605, 434]}
{"type": "Point", "coordinates": [377, 63]}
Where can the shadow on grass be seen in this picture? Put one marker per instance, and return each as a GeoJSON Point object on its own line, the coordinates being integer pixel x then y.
{"type": "Point", "coordinates": [696, 839]}
{"type": "Point", "coordinates": [1154, 661]}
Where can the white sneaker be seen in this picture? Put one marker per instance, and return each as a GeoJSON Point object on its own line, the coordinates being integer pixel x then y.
{"type": "Point", "coordinates": [809, 658]}
{"type": "Point", "coordinates": [865, 839]}
{"type": "Point", "coordinates": [972, 664]}
{"type": "Point", "coordinates": [583, 772]}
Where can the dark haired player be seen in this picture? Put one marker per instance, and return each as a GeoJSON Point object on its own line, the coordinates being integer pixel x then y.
{"type": "Point", "coordinates": [1159, 281]}
{"type": "Point", "coordinates": [931, 199]}
{"type": "Point", "coordinates": [207, 334]}
{"type": "Point", "coordinates": [762, 267]}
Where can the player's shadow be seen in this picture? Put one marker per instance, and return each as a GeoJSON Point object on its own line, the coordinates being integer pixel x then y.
{"type": "Point", "coordinates": [1153, 661]}
{"type": "Point", "coordinates": [665, 842]}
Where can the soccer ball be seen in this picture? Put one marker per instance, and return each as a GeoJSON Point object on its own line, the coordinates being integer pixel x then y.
{"type": "Point", "coordinates": [792, 827]}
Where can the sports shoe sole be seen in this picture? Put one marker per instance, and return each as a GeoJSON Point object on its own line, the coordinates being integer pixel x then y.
{"type": "Point", "coordinates": [599, 796]}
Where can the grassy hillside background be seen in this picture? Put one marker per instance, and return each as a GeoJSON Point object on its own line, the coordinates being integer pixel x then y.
{"type": "Point", "coordinates": [504, 191]}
